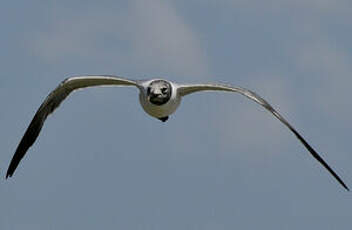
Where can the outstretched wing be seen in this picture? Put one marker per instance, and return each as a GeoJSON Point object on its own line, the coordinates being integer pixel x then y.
{"type": "Point", "coordinates": [53, 101]}
{"type": "Point", "coordinates": [192, 88]}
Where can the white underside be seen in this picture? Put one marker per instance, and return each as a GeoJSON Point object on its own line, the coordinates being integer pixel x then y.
{"type": "Point", "coordinates": [160, 111]}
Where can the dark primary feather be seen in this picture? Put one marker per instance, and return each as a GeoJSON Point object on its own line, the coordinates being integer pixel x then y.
{"type": "Point", "coordinates": [192, 88]}
{"type": "Point", "coordinates": [53, 101]}
{"type": "Point", "coordinates": [34, 128]}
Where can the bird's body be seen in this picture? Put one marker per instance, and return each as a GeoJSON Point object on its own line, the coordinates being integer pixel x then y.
{"type": "Point", "coordinates": [159, 110]}
{"type": "Point", "coordinates": [159, 98]}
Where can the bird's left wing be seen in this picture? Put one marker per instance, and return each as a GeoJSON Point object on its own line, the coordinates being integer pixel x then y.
{"type": "Point", "coordinates": [53, 101]}
{"type": "Point", "coordinates": [184, 90]}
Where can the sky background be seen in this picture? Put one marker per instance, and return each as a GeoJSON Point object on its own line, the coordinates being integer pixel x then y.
{"type": "Point", "coordinates": [221, 161]}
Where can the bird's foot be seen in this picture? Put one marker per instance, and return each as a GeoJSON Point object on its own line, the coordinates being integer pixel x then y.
{"type": "Point", "coordinates": [163, 119]}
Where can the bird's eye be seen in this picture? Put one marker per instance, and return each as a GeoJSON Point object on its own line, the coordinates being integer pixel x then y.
{"type": "Point", "coordinates": [164, 90]}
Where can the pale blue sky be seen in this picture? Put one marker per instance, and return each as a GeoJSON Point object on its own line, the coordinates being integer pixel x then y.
{"type": "Point", "coordinates": [221, 161]}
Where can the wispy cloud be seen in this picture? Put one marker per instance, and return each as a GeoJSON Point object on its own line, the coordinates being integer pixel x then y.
{"type": "Point", "coordinates": [162, 38]}
{"type": "Point", "coordinates": [149, 35]}
{"type": "Point", "coordinates": [332, 70]}
{"type": "Point", "coordinates": [323, 6]}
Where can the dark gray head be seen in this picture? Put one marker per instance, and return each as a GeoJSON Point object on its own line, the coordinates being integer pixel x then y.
{"type": "Point", "coordinates": [159, 92]}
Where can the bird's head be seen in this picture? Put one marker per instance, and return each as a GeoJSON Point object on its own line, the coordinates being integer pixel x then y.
{"type": "Point", "coordinates": [159, 92]}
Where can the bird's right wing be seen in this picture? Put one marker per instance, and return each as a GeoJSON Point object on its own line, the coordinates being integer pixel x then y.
{"type": "Point", "coordinates": [53, 101]}
{"type": "Point", "coordinates": [184, 90]}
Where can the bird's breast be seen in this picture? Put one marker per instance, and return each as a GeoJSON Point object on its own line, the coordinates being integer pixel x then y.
{"type": "Point", "coordinates": [159, 111]}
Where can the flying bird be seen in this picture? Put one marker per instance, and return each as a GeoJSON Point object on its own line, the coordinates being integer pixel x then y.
{"type": "Point", "coordinates": [159, 98]}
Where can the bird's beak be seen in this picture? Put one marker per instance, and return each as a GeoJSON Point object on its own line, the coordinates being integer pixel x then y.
{"type": "Point", "coordinates": [155, 97]}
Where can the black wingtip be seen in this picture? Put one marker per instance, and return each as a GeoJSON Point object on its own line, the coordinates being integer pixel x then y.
{"type": "Point", "coordinates": [345, 186]}
{"type": "Point", "coordinates": [10, 170]}
{"type": "Point", "coordinates": [319, 158]}
{"type": "Point", "coordinates": [8, 174]}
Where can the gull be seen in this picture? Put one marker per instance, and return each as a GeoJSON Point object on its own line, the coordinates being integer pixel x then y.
{"type": "Point", "coordinates": [159, 98]}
